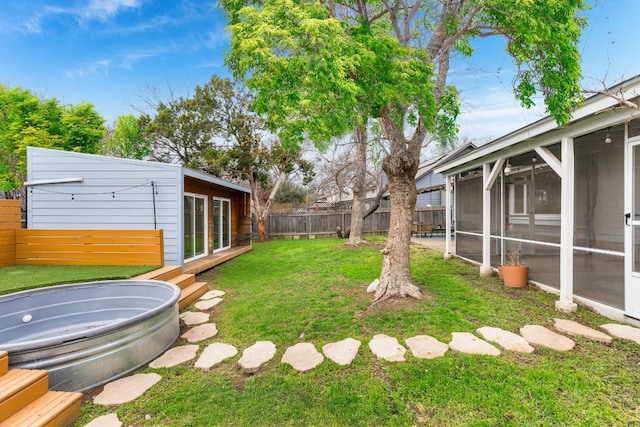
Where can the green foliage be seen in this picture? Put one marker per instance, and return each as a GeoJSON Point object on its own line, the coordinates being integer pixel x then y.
{"type": "Point", "coordinates": [318, 77]}
{"type": "Point", "coordinates": [290, 193]}
{"type": "Point", "coordinates": [26, 120]}
{"type": "Point", "coordinates": [542, 39]}
{"type": "Point", "coordinates": [127, 139]}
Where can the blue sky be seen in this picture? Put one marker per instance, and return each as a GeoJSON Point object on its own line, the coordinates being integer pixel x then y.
{"type": "Point", "coordinates": [106, 52]}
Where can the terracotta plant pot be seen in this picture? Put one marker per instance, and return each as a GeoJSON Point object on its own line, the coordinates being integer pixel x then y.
{"type": "Point", "coordinates": [515, 276]}
{"type": "Point", "coordinates": [500, 272]}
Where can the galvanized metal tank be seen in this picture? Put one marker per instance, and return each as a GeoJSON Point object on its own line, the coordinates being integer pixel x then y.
{"type": "Point", "coordinates": [87, 334]}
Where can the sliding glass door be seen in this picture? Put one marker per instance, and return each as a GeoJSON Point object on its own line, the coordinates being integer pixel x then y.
{"type": "Point", "coordinates": [195, 226]}
{"type": "Point", "coordinates": [221, 224]}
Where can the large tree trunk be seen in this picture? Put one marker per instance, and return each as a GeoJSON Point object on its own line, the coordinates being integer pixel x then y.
{"type": "Point", "coordinates": [359, 187]}
{"type": "Point", "coordinates": [400, 166]}
{"type": "Point", "coordinates": [260, 208]}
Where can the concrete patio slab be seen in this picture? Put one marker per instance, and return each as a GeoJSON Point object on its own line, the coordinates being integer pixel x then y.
{"type": "Point", "coordinates": [175, 356]}
{"type": "Point", "coordinates": [465, 342]}
{"type": "Point", "coordinates": [191, 318]}
{"type": "Point", "coordinates": [257, 355]}
{"type": "Point", "coordinates": [575, 329]}
{"type": "Point", "coordinates": [302, 357]}
{"type": "Point", "coordinates": [387, 348]}
{"type": "Point", "coordinates": [201, 332]}
{"type": "Point", "coordinates": [342, 352]}
{"type": "Point", "coordinates": [214, 354]}
{"type": "Point", "coordinates": [505, 339]}
{"type": "Point", "coordinates": [539, 335]}
{"type": "Point", "coordinates": [426, 347]}
{"type": "Point", "coordinates": [126, 389]}
{"type": "Point", "coordinates": [623, 331]}
{"type": "Point", "coordinates": [109, 420]}
{"type": "Point", "coordinates": [208, 304]}
{"type": "Point", "coordinates": [214, 293]}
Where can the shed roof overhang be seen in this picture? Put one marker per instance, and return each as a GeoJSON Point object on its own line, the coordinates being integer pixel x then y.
{"type": "Point", "coordinates": [213, 180]}
{"type": "Point", "coordinates": [597, 112]}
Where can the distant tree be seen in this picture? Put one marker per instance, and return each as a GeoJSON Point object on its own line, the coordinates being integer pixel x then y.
{"type": "Point", "coordinates": [126, 139]}
{"type": "Point", "coordinates": [26, 120]}
{"type": "Point", "coordinates": [290, 193]}
{"type": "Point", "coordinates": [216, 132]}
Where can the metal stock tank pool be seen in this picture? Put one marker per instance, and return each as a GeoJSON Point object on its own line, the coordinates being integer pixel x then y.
{"type": "Point", "coordinates": [87, 334]}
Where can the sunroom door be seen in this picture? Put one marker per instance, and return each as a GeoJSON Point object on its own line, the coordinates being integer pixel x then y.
{"type": "Point", "coordinates": [632, 226]}
{"type": "Point", "coordinates": [195, 226]}
{"type": "Point", "coordinates": [221, 224]}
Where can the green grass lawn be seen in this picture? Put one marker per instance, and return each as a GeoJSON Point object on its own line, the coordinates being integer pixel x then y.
{"type": "Point", "coordinates": [22, 277]}
{"type": "Point", "coordinates": [314, 291]}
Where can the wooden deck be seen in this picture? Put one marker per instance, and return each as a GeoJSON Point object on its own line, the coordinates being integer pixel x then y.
{"type": "Point", "coordinates": [202, 264]}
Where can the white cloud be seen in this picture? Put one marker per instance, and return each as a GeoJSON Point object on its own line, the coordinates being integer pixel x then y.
{"type": "Point", "coordinates": [102, 10]}
{"type": "Point", "coordinates": [95, 68]}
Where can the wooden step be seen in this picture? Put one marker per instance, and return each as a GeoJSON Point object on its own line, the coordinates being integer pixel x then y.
{"type": "Point", "coordinates": [53, 409]}
{"type": "Point", "coordinates": [4, 362]}
{"type": "Point", "coordinates": [191, 293]}
{"type": "Point", "coordinates": [19, 388]}
{"type": "Point", "coordinates": [183, 280]}
{"type": "Point", "coordinates": [163, 273]}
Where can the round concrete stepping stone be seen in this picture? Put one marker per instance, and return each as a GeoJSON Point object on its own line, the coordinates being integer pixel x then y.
{"type": "Point", "coordinates": [387, 348]}
{"type": "Point", "coordinates": [214, 293]}
{"type": "Point", "coordinates": [208, 304]}
{"type": "Point", "coordinates": [505, 339]}
{"type": "Point", "coordinates": [302, 357]}
{"type": "Point", "coordinates": [539, 335]}
{"type": "Point", "coordinates": [426, 347]}
{"type": "Point", "coordinates": [109, 420]}
{"type": "Point", "coordinates": [465, 342]}
{"type": "Point", "coordinates": [126, 389]}
{"type": "Point", "coordinates": [191, 318]}
{"type": "Point", "coordinates": [175, 356]}
{"type": "Point", "coordinates": [342, 352]}
{"type": "Point", "coordinates": [257, 355]}
{"type": "Point", "coordinates": [623, 331]}
{"type": "Point", "coordinates": [214, 354]}
{"type": "Point", "coordinates": [574, 329]}
{"type": "Point", "coordinates": [201, 332]}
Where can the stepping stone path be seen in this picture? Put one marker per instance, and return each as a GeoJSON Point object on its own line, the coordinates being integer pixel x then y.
{"type": "Point", "coordinates": [387, 348]}
{"type": "Point", "coordinates": [623, 331]}
{"type": "Point", "coordinates": [191, 318]}
{"type": "Point", "coordinates": [505, 339]}
{"type": "Point", "coordinates": [342, 352]}
{"type": "Point", "coordinates": [257, 355]}
{"type": "Point", "coordinates": [201, 332]}
{"type": "Point", "coordinates": [175, 356]}
{"type": "Point", "coordinates": [302, 357]}
{"type": "Point", "coordinates": [214, 354]}
{"type": "Point", "coordinates": [208, 304]}
{"type": "Point", "coordinates": [575, 329]}
{"type": "Point", "coordinates": [214, 293]}
{"type": "Point", "coordinates": [109, 420]}
{"type": "Point", "coordinates": [465, 342]}
{"type": "Point", "coordinates": [539, 335]}
{"type": "Point", "coordinates": [126, 389]}
{"type": "Point", "coordinates": [426, 347]}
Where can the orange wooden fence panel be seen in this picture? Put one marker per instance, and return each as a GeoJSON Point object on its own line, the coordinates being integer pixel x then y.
{"type": "Point", "coordinates": [10, 215]}
{"type": "Point", "coordinates": [89, 247]}
{"type": "Point", "coordinates": [7, 248]}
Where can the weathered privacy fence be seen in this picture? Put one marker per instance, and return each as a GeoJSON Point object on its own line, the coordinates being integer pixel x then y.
{"type": "Point", "coordinates": [74, 247]}
{"type": "Point", "coordinates": [319, 224]}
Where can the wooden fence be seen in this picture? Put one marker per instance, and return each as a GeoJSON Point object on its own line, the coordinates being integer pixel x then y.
{"type": "Point", "coordinates": [324, 223]}
{"type": "Point", "coordinates": [74, 247]}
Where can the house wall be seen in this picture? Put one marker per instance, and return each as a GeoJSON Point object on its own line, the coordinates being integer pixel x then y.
{"type": "Point", "coordinates": [430, 198]}
{"type": "Point", "coordinates": [240, 210]}
{"type": "Point", "coordinates": [114, 194]}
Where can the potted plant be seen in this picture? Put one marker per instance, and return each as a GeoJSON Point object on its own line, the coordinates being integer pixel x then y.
{"type": "Point", "coordinates": [514, 274]}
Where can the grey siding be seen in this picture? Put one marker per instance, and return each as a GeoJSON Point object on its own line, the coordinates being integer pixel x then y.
{"type": "Point", "coordinates": [431, 198]}
{"type": "Point", "coordinates": [115, 194]}
{"type": "Point", "coordinates": [429, 180]}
